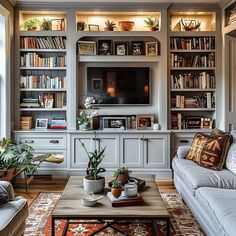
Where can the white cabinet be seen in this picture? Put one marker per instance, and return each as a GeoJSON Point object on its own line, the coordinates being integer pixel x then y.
{"type": "Point", "coordinates": [80, 157]}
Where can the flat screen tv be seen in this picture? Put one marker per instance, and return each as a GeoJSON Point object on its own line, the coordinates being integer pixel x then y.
{"type": "Point", "coordinates": [119, 85]}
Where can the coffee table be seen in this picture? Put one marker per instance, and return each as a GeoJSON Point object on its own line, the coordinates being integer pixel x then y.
{"type": "Point", "coordinates": [69, 207]}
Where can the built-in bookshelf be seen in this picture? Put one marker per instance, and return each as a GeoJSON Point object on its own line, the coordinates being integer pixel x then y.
{"type": "Point", "coordinates": [43, 66]}
{"type": "Point", "coordinates": [192, 69]}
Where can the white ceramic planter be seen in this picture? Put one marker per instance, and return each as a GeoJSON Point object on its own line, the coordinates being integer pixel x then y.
{"type": "Point", "coordinates": [95, 186]}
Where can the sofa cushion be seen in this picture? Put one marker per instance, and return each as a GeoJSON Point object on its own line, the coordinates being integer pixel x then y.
{"type": "Point", "coordinates": [210, 151]}
{"type": "Point", "coordinates": [8, 187]}
{"type": "Point", "coordinates": [4, 198]}
{"type": "Point", "coordinates": [219, 204]}
{"type": "Point", "coordinates": [231, 158]}
{"type": "Point", "coordinates": [196, 176]}
{"type": "Point", "coordinates": [15, 213]}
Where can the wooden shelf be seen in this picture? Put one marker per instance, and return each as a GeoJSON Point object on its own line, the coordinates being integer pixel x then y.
{"type": "Point", "coordinates": [192, 68]}
{"type": "Point", "coordinates": [42, 68]}
{"type": "Point", "coordinates": [193, 90]}
{"type": "Point", "coordinates": [192, 33]}
{"type": "Point", "coordinates": [42, 109]}
{"type": "Point", "coordinates": [41, 89]}
{"type": "Point", "coordinates": [42, 33]}
{"type": "Point", "coordinates": [192, 50]}
{"type": "Point", "coordinates": [41, 50]}
{"type": "Point", "coordinates": [192, 109]}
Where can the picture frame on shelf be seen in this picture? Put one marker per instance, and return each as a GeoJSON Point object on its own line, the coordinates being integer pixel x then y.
{"type": "Point", "coordinates": [144, 122]}
{"type": "Point", "coordinates": [49, 103]}
{"type": "Point", "coordinates": [151, 48]}
{"type": "Point", "coordinates": [57, 24]}
{"type": "Point", "coordinates": [137, 48]}
{"type": "Point", "coordinates": [206, 123]}
{"type": "Point", "coordinates": [104, 47]}
{"type": "Point", "coordinates": [114, 123]}
{"type": "Point", "coordinates": [193, 122]}
{"type": "Point", "coordinates": [41, 124]}
{"type": "Point", "coordinates": [86, 48]}
{"type": "Point", "coordinates": [121, 48]}
{"type": "Point", "coordinates": [93, 27]}
{"type": "Point", "coordinates": [97, 84]}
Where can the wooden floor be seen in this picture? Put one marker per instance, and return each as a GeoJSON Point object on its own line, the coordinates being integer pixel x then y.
{"type": "Point", "coordinates": [47, 184]}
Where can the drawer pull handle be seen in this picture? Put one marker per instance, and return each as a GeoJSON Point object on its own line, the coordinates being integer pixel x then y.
{"type": "Point", "coordinates": [98, 139]}
{"type": "Point", "coordinates": [54, 141]}
{"type": "Point", "coordinates": [29, 141]}
{"type": "Point", "coordinates": [184, 141]}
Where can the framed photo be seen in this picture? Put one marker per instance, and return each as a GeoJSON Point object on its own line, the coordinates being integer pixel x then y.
{"type": "Point", "coordinates": [206, 123]}
{"type": "Point", "coordinates": [137, 48]}
{"type": "Point", "coordinates": [97, 84]}
{"type": "Point", "coordinates": [86, 48]}
{"type": "Point", "coordinates": [104, 47]}
{"type": "Point", "coordinates": [145, 121]}
{"type": "Point", "coordinates": [151, 48]}
{"type": "Point", "coordinates": [41, 124]}
{"type": "Point", "coordinates": [93, 27]}
{"type": "Point", "coordinates": [57, 24]}
{"type": "Point", "coordinates": [121, 48]}
{"type": "Point", "coordinates": [49, 103]}
{"type": "Point", "coordinates": [114, 123]}
{"type": "Point", "coordinates": [193, 122]}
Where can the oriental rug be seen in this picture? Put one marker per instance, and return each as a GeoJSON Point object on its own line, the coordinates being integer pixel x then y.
{"type": "Point", "coordinates": [39, 220]}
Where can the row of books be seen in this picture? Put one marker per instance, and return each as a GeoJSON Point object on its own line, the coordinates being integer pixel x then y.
{"type": "Point", "coordinates": [204, 101]}
{"type": "Point", "coordinates": [202, 80]}
{"type": "Point", "coordinates": [207, 60]}
{"type": "Point", "coordinates": [42, 82]}
{"type": "Point", "coordinates": [58, 123]}
{"type": "Point", "coordinates": [43, 42]}
{"type": "Point", "coordinates": [45, 100]}
{"type": "Point", "coordinates": [36, 60]}
{"type": "Point", "coordinates": [193, 43]}
{"type": "Point", "coordinates": [179, 121]}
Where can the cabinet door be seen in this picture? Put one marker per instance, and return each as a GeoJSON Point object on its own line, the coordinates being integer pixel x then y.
{"type": "Point", "coordinates": [80, 157]}
{"type": "Point", "coordinates": [131, 150]}
{"type": "Point", "coordinates": [156, 151]}
{"type": "Point", "coordinates": [111, 142]}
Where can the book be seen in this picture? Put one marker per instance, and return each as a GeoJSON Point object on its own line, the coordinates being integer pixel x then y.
{"type": "Point", "coordinates": [125, 201]}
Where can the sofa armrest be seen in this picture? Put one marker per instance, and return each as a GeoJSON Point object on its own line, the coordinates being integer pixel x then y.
{"type": "Point", "coordinates": [8, 187]}
{"type": "Point", "coordinates": [182, 151]}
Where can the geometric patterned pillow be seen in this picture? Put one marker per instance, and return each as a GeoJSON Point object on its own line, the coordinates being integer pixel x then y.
{"type": "Point", "coordinates": [4, 198]}
{"type": "Point", "coordinates": [231, 158]}
{"type": "Point", "coordinates": [210, 151]}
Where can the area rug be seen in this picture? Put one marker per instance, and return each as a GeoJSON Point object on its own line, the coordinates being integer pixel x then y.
{"type": "Point", "coordinates": [39, 220]}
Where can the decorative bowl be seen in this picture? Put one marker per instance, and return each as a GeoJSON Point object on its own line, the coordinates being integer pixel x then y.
{"type": "Point", "coordinates": [90, 200]}
{"type": "Point", "coordinates": [126, 25]}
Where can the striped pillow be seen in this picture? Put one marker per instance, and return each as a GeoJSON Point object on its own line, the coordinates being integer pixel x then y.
{"type": "Point", "coordinates": [4, 197]}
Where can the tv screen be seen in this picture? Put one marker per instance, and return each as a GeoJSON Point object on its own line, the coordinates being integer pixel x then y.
{"type": "Point", "coordinates": [119, 85]}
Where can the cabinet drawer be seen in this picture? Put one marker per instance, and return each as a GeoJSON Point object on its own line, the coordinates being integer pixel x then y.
{"type": "Point", "coordinates": [58, 142]}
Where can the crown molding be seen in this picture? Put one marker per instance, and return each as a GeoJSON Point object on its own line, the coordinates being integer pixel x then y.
{"type": "Point", "coordinates": [12, 2]}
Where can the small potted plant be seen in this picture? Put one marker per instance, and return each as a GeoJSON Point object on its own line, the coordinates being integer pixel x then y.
{"type": "Point", "coordinates": [46, 25]}
{"type": "Point", "coordinates": [152, 24]}
{"type": "Point", "coordinates": [93, 182]}
{"type": "Point", "coordinates": [116, 188]}
{"type": "Point", "coordinates": [110, 25]}
{"type": "Point", "coordinates": [122, 174]}
{"type": "Point", "coordinates": [31, 24]}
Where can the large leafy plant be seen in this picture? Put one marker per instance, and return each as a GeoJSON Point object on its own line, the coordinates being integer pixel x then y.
{"type": "Point", "coordinates": [16, 155]}
{"type": "Point", "coordinates": [95, 158]}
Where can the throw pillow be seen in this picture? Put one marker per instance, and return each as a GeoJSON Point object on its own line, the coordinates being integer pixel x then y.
{"type": "Point", "coordinates": [231, 158]}
{"type": "Point", "coordinates": [210, 151]}
{"type": "Point", "coordinates": [8, 187]}
{"type": "Point", "coordinates": [4, 198]}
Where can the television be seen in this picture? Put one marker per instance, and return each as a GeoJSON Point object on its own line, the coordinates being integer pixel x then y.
{"type": "Point", "coordinates": [119, 85]}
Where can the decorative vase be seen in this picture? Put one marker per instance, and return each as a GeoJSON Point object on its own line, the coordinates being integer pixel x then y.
{"type": "Point", "coordinates": [94, 185]}
{"type": "Point", "coordinates": [123, 178]}
{"type": "Point", "coordinates": [126, 25]}
{"type": "Point", "coordinates": [86, 126]}
{"type": "Point", "coordinates": [116, 192]}
{"type": "Point", "coordinates": [8, 175]}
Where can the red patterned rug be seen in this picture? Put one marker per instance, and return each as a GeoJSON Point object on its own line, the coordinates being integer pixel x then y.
{"type": "Point", "coordinates": [39, 220]}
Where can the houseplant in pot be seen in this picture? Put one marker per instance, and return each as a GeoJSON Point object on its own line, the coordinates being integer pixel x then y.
{"type": "Point", "coordinates": [31, 25]}
{"type": "Point", "coordinates": [116, 188]}
{"type": "Point", "coordinates": [122, 174]}
{"type": "Point", "coordinates": [153, 25]}
{"type": "Point", "coordinates": [93, 182]}
{"type": "Point", "coordinates": [110, 25]}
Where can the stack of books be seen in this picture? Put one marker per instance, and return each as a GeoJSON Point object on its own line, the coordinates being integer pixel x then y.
{"type": "Point", "coordinates": [30, 103]}
{"type": "Point", "coordinates": [58, 123]}
{"type": "Point", "coordinates": [125, 201]}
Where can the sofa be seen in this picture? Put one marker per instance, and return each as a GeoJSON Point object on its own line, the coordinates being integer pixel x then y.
{"type": "Point", "coordinates": [210, 194]}
{"type": "Point", "coordinates": [13, 213]}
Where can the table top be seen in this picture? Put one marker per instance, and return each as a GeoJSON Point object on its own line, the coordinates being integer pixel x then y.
{"type": "Point", "coordinates": [69, 204]}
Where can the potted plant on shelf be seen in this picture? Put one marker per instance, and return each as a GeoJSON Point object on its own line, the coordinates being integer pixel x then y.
{"type": "Point", "coordinates": [116, 188]}
{"type": "Point", "coordinates": [46, 24]}
{"type": "Point", "coordinates": [93, 182]}
{"type": "Point", "coordinates": [153, 25]}
{"type": "Point", "coordinates": [31, 24]}
{"type": "Point", "coordinates": [122, 174]}
{"type": "Point", "coordinates": [85, 119]}
{"type": "Point", "coordinates": [110, 25]}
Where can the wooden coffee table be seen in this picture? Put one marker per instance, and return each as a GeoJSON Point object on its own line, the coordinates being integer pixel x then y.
{"type": "Point", "coordinates": [69, 207]}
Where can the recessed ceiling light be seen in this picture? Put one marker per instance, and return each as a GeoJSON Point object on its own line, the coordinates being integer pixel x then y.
{"type": "Point", "coordinates": [44, 12]}
{"type": "Point", "coordinates": [96, 12]}
{"type": "Point", "coordinates": [140, 13]}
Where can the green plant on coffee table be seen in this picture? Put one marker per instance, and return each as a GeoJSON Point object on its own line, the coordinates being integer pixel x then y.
{"type": "Point", "coordinates": [122, 174]}
{"type": "Point", "coordinates": [95, 158]}
{"type": "Point", "coordinates": [152, 24]}
{"type": "Point", "coordinates": [31, 24]}
{"type": "Point", "coordinates": [116, 184]}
